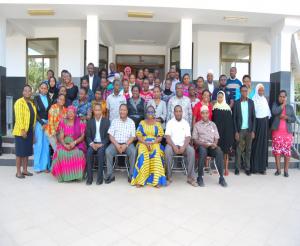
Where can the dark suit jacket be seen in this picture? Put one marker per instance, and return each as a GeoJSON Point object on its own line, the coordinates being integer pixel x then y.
{"type": "Point", "coordinates": [90, 131]}
{"type": "Point", "coordinates": [96, 81]}
{"type": "Point", "coordinates": [42, 112]}
{"type": "Point", "coordinates": [237, 116]}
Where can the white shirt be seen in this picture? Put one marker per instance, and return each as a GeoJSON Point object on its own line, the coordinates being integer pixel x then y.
{"type": "Point", "coordinates": [178, 131]}
{"type": "Point", "coordinates": [173, 86]}
{"type": "Point", "coordinates": [113, 103]}
{"type": "Point", "coordinates": [91, 78]}
{"type": "Point", "coordinates": [211, 87]}
{"type": "Point", "coordinates": [98, 136]}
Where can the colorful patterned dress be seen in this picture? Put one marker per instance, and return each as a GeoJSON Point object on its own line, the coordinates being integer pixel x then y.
{"type": "Point", "coordinates": [149, 167]}
{"type": "Point", "coordinates": [69, 165]}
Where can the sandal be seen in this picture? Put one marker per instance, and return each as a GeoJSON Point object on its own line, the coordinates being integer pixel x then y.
{"type": "Point", "coordinates": [20, 176]}
{"type": "Point", "coordinates": [192, 182]}
{"type": "Point", "coordinates": [27, 174]}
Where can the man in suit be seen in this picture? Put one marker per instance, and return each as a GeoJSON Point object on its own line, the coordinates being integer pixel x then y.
{"type": "Point", "coordinates": [94, 80]}
{"type": "Point", "coordinates": [244, 128]}
{"type": "Point", "coordinates": [210, 83]}
{"type": "Point", "coordinates": [97, 141]}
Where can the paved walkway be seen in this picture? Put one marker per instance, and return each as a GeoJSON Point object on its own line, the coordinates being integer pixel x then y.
{"type": "Point", "coordinates": [256, 210]}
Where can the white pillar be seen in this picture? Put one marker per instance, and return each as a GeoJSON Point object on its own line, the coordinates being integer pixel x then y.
{"type": "Point", "coordinates": [2, 42]}
{"type": "Point", "coordinates": [92, 39]}
{"type": "Point", "coordinates": [186, 42]}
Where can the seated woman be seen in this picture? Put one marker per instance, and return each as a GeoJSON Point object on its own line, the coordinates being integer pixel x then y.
{"type": "Point", "coordinates": [83, 106]}
{"type": "Point", "coordinates": [69, 158]}
{"type": "Point", "coordinates": [84, 83]}
{"type": "Point", "coordinates": [149, 167]}
{"type": "Point", "coordinates": [198, 106]}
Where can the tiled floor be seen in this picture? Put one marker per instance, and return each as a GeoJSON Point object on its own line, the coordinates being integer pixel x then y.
{"type": "Point", "coordinates": [256, 210]}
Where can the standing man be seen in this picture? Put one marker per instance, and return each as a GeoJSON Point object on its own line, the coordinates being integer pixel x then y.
{"type": "Point", "coordinates": [244, 121]}
{"type": "Point", "coordinates": [183, 101]}
{"type": "Point", "coordinates": [94, 79]}
{"type": "Point", "coordinates": [112, 73]}
{"type": "Point", "coordinates": [246, 82]}
{"type": "Point", "coordinates": [121, 135]}
{"type": "Point", "coordinates": [114, 101]}
{"type": "Point", "coordinates": [178, 135]}
{"type": "Point", "coordinates": [222, 87]}
{"type": "Point", "coordinates": [233, 83]}
{"type": "Point", "coordinates": [97, 141]}
{"type": "Point", "coordinates": [172, 77]}
{"type": "Point", "coordinates": [210, 83]}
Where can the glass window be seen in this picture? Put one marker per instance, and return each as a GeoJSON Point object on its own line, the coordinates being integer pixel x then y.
{"type": "Point", "coordinates": [42, 55]}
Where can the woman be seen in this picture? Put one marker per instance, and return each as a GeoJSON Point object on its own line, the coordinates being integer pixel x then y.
{"type": "Point", "coordinates": [99, 100]}
{"type": "Point", "coordinates": [146, 93]}
{"type": "Point", "coordinates": [192, 95]}
{"type": "Point", "coordinates": [55, 114]}
{"type": "Point", "coordinates": [157, 83]}
{"type": "Point", "coordinates": [136, 106]}
{"type": "Point", "coordinates": [186, 84]}
{"type": "Point", "coordinates": [85, 84]}
{"type": "Point", "coordinates": [126, 90]}
{"type": "Point", "coordinates": [72, 89]}
{"type": "Point", "coordinates": [63, 91]}
{"type": "Point", "coordinates": [259, 154]}
{"type": "Point", "coordinates": [282, 137]}
{"type": "Point", "coordinates": [103, 73]}
{"type": "Point", "coordinates": [53, 90]}
{"type": "Point", "coordinates": [83, 106]}
{"type": "Point", "coordinates": [199, 87]}
{"type": "Point", "coordinates": [69, 158]}
{"type": "Point", "coordinates": [131, 81]}
{"type": "Point", "coordinates": [25, 118]}
{"type": "Point", "coordinates": [127, 72]}
{"type": "Point", "coordinates": [167, 93]}
{"type": "Point", "coordinates": [222, 117]}
{"type": "Point", "coordinates": [149, 167]}
{"type": "Point", "coordinates": [140, 78]}
{"type": "Point", "coordinates": [197, 108]}
{"type": "Point", "coordinates": [159, 106]}
{"type": "Point", "coordinates": [41, 161]}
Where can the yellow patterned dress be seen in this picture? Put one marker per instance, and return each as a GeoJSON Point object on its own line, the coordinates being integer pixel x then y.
{"type": "Point", "coordinates": [149, 167]}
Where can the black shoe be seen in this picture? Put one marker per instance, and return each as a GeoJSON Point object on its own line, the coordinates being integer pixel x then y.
{"type": "Point", "coordinates": [286, 174]}
{"type": "Point", "coordinates": [99, 182]}
{"type": "Point", "coordinates": [89, 182]}
{"type": "Point", "coordinates": [263, 172]}
{"type": "Point", "coordinates": [222, 182]}
{"type": "Point", "coordinates": [129, 180]}
{"type": "Point", "coordinates": [277, 173]}
{"type": "Point", "coordinates": [248, 173]}
{"type": "Point", "coordinates": [237, 171]}
{"type": "Point", "coordinates": [200, 182]}
{"type": "Point", "coordinates": [109, 180]}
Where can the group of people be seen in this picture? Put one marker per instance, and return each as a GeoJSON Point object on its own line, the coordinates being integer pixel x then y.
{"type": "Point", "coordinates": [69, 128]}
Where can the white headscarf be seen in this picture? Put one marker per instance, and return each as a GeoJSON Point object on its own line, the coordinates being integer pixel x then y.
{"type": "Point", "coordinates": [261, 104]}
{"type": "Point", "coordinates": [223, 105]}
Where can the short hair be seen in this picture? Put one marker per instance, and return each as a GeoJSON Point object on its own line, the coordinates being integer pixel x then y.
{"type": "Point", "coordinates": [44, 83]}
{"type": "Point", "coordinates": [157, 87]}
{"type": "Point", "coordinates": [200, 77]}
{"type": "Point", "coordinates": [233, 68]}
{"type": "Point", "coordinates": [98, 89]}
{"type": "Point", "coordinates": [222, 75]}
{"type": "Point", "coordinates": [247, 76]}
{"type": "Point", "coordinates": [186, 74]}
{"type": "Point", "coordinates": [50, 70]}
{"type": "Point", "coordinates": [84, 89]}
{"type": "Point", "coordinates": [116, 81]}
{"type": "Point", "coordinates": [97, 104]}
{"type": "Point", "coordinates": [205, 90]}
{"type": "Point", "coordinates": [146, 79]}
{"type": "Point", "coordinates": [178, 84]}
{"type": "Point", "coordinates": [150, 106]}
{"type": "Point", "coordinates": [123, 105]}
{"type": "Point", "coordinates": [177, 106]}
{"type": "Point", "coordinates": [91, 64]}
{"type": "Point", "coordinates": [135, 86]}
{"type": "Point", "coordinates": [282, 91]}
{"type": "Point", "coordinates": [243, 86]}
{"type": "Point", "coordinates": [64, 71]}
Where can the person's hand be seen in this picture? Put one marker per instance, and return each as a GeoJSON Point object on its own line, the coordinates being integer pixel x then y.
{"type": "Point", "coordinates": [237, 136]}
{"type": "Point", "coordinates": [123, 147]}
{"type": "Point", "coordinates": [181, 150]}
{"type": "Point", "coordinates": [98, 146]}
{"type": "Point", "coordinates": [72, 145]}
{"type": "Point", "coordinates": [119, 148]}
{"type": "Point", "coordinates": [148, 145]}
{"type": "Point", "coordinates": [252, 135]}
{"type": "Point", "coordinates": [94, 146]}
{"type": "Point", "coordinates": [23, 133]}
{"type": "Point", "coordinates": [44, 126]}
{"type": "Point", "coordinates": [176, 150]}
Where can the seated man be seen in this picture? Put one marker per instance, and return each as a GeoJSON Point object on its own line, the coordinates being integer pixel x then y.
{"type": "Point", "coordinates": [178, 135]}
{"type": "Point", "coordinates": [121, 135]}
{"type": "Point", "coordinates": [206, 136]}
{"type": "Point", "coordinates": [97, 140]}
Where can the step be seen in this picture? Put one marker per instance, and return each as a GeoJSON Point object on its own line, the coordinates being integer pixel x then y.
{"type": "Point", "coordinates": [8, 139]}
{"type": "Point", "coordinates": [10, 160]}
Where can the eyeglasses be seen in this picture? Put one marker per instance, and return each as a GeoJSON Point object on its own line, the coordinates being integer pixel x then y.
{"type": "Point", "coordinates": [150, 112]}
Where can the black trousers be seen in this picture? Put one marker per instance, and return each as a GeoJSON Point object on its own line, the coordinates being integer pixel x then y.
{"type": "Point", "coordinates": [215, 153]}
{"type": "Point", "coordinates": [90, 161]}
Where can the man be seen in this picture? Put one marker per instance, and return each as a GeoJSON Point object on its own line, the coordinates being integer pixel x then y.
{"type": "Point", "coordinates": [156, 74]}
{"type": "Point", "coordinates": [210, 83]}
{"type": "Point", "coordinates": [172, 77]}
{"type": "Point", "coordinates": [151, 81]}
{"type": "Point", "coordinates": [244, 128]}
{"type": "Point", "coordinates": [94, 80]}
{"type": "Point", "coordinates": [246, 82]}
{"type": "Point", "coordinates": [121, 135]}
{"type": "Point", "coordinates": [206, 136]}
{"type": "Point", "coordinates": [97, 140]}
{"type": "Point", "coordinates": [113, 72]}
{"type": "Point", "coordinates": [114, 101]}
{"type": "Point", "coordinates": [50, 74]}
{"type": "Point", "coordinates": [233, 83]}
{"type": "Point", "coordinates": [183, 101]}
{"type": "Point", "coordinates": [106, 88]}
{"type": "Point", "coordinates": [178, 136]}
{"type": "Point", "coordinates": [61, 81]}
{"type": "Point", "coordinates": [222, 87]}
{"type": "Point", "coordinates": [146, 72]}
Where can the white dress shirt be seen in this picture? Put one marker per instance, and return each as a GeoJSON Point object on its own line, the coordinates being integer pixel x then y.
{"type": "Point", "coordinates": [98, 136]}
{"type": "Point", "coordinates": [91, 78]}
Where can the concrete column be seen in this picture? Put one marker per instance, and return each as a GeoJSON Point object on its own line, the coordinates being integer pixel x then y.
{"type": "Point", "coordinates": [186, 44]}
{"type": "Point", "coordinates": [92, 40]}
{"type": "Point", "coordinates": [2, 76]}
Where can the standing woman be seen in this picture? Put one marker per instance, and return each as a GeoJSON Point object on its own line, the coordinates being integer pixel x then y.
{"type": "Point", "coordinates": [167, 93]}
{"type": "Point", "coordinates": [159, 105]}
{"type": "Point", "coordinates": [197, 108]}
{"type": "Point", "coordinates": [282, 137]}
{"type": "Point", "coordinates": [41, 161]}
{"type": "Point", "coordinates": [72, 89]}
{"type": "Point", "coordinates": [136, 106]}
{"type": "Point", "coordinates": [53, 90]}
{"type": "Point", "coordinates": [199, 87]}
{"type": "Point", "coordinates": [222, 117]}
{"type": "Point", "coordinates": [69, 158]}
{"type": "Point", "coordinates": [186, 84]}
{"type": "Point", "coordinates": [259, 153]}
{"type": "Point", "coordinates": [192, 96]}
{"type": "Point", "coordinates": [25, 118]}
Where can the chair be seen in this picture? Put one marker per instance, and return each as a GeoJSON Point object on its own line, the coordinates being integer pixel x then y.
{"type": "Point", "coordinates": [208, 169]}
{"type": "Point", "coordinates": [116, 162]}
{"type": "Point", "coordinates": [180, 159]}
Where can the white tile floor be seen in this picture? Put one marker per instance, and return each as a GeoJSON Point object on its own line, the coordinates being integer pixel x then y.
{"type": "Point", "coordinates": [256, 210]}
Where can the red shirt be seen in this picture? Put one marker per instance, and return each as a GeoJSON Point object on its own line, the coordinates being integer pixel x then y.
{"type": "Point", "coordinates": [197, 111]}
{"type": "Point", "coordinates": [147, 96]}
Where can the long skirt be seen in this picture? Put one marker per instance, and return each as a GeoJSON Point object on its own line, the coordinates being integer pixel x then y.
{"type": "Point", "coordinates": [68, 165]}
{"type": "Point", "coordinates": [149, 167]}
{"type": "Point", "coordinates": [259, 154]}
{"type": "Point", "coordinates": [41, 161]}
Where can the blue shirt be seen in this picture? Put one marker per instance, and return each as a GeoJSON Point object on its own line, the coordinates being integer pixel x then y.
{"type": "Point", "coordinates": [232, 85]}
{"type": "Point", "coordinates": [244, 108]}
{"type": "Point", "coordinates": [238, 94]}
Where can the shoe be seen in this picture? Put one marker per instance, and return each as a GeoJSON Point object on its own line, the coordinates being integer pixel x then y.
{"type": "Point", "coordinates": [27, 174]}
{"type": "Point", "coordinates": [277, 173]}
{"type": "Point", "coordinates": [286, 174]}
{"type": "Point", "coordinates": [109, 180]}
{"type": "Point", "coordinates": [200, 182]}
{"type": "Point", "coordinates": [222, 182]}
{"type": "Point", "coordinates": [129, 180]}
{"type": "Point", "coordinates": [237, 171]}
{"type": "Point", "coordinates": [20, 176]}
{"type": "Point", "coordinates": [99, 182]}
{"type": "Point", "coordinates": [89, 182]}
{"type": "Point", "coordinates": [263, 173]}
{"type": "Point", "coordinates": [192, 182]}
{"type": "Point", "coordinates": [248, 173]}
{"type": "Point", "coordinates": [226, 173]}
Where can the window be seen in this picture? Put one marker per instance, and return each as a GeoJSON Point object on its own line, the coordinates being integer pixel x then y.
{"type": "Point", "coordinates": [175, 57]}
{"type": "Point", "coordinates": [103, 57]}
{"type": "Point", "coordinates": [42, 55]}
{"type": "Point", "coordinates": [235, 55]}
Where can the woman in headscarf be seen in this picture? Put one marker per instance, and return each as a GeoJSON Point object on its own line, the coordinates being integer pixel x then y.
{"type": "Point", "coordinates": [69, 158]}
{"type": "Point", "coordinates": [222, 117]}
{"type": "Point", "coordinates": [53, 90]}
{"type": "Point", "coordinates": [127, 72]}
{"type": "Point", "coordinates": [259, 153]}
